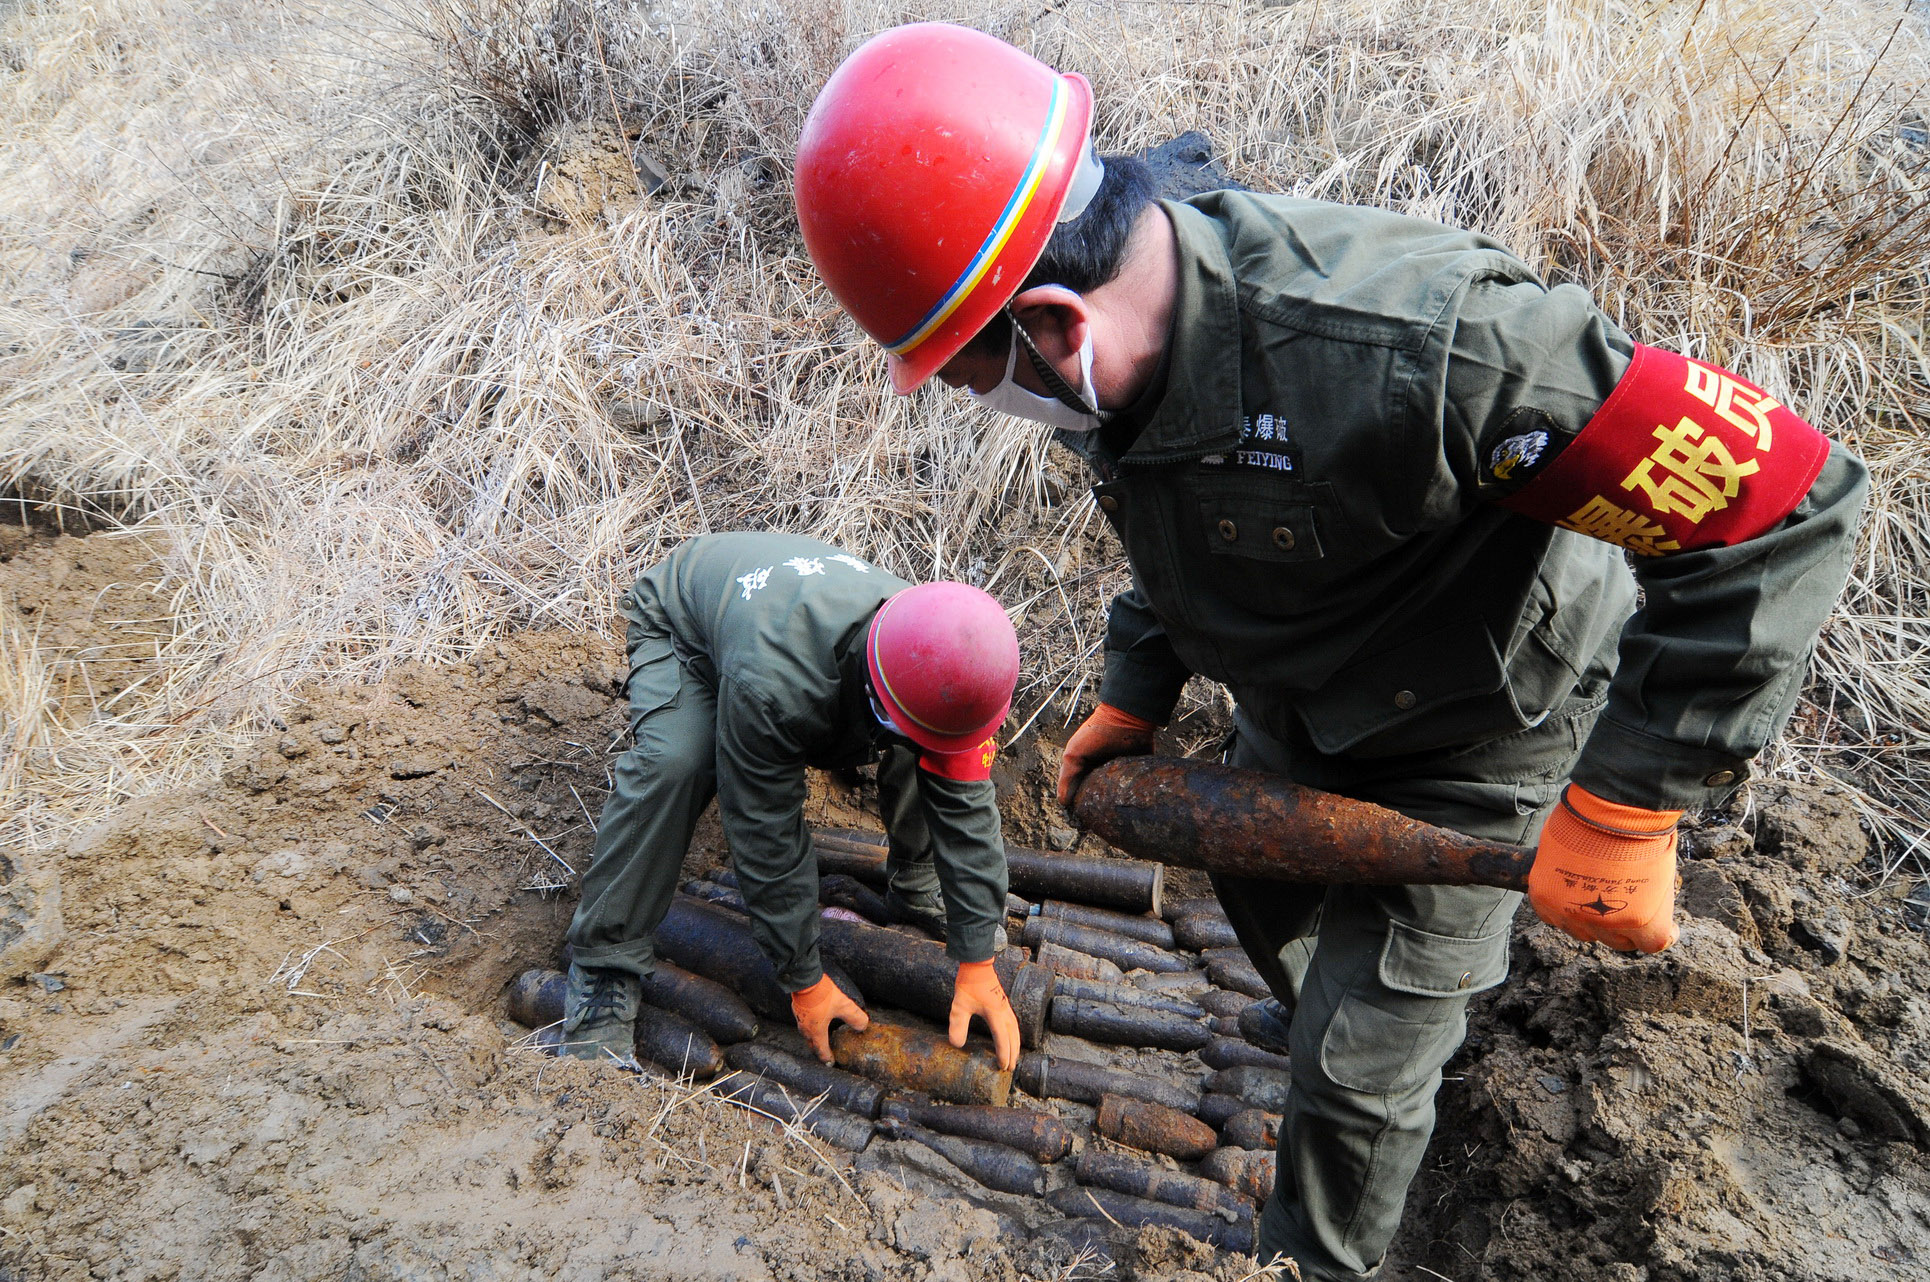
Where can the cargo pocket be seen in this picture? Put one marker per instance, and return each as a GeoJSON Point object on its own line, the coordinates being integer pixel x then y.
{"type": "Point", "coordinates": [654, 679]}
{"type": "Point", "coordinates": [1395, 1037]}
{"type": "Point", "coordinates": [1428, 965]}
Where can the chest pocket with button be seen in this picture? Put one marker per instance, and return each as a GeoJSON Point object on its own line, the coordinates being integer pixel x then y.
{"type": "Point", "coordinates": [1260, 528]}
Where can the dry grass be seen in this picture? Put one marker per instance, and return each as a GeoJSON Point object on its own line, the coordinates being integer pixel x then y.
{"type": "Point", "coordinates": [361, 312]}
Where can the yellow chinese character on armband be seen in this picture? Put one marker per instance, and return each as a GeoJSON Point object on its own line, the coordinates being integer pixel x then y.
{"type": "Point", "coordinates": [1733, 402]}
{"type": "Point", "coordinates": [1690, 474]}
{"type": "Point", "coordinates": [1600, 519]}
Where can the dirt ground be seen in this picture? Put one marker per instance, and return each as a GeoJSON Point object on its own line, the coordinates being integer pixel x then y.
{"type": "Point", "coordinates": [256, 1029]}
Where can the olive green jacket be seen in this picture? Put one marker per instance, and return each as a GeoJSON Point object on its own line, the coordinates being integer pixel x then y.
{"type": "Point", "coordinates": [775, 624]}
{"type": "Point", "coordinates": [1309, 522]}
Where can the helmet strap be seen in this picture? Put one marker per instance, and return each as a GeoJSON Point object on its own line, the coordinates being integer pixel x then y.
{"type": "Point", "coordinates": [1087, 176]}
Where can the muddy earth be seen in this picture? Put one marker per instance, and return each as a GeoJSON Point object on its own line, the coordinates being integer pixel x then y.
{"type": "Point", "coordinates": [256, 1028]}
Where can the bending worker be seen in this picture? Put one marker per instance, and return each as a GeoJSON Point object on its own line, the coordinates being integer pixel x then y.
{"type": "Point", "coordinates": [1386, 486]}
{"type": "Point", "coordinates": [753, 656]}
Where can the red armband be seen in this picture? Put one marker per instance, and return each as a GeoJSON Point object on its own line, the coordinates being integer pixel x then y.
{"type": "Point", "coordinates": [1681, 455]}
{"type": "Point", "coordinates": [970, 766]}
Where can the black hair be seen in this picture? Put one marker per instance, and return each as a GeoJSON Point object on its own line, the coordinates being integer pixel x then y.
{"type": "Point", "coordinates": [1087, 252]}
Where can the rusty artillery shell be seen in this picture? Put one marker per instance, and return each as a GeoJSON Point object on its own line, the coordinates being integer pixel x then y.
{"type": "Point", "coordinates": [1252, 1128]}
{"type": "Point", "coordinates": [1217, 1001]}
{"type": "Point", "coordinates": [843, 891]}
{"type": "Point", "coordinates": [1056, 1077]}
{"type": "Point", "coordinates": [1246, 823]}
{"type": "Point", "coordinates": [1260, 1087]}
{"type": "Point", "coordinates": [993, 1165]}
{"type": "Point", "coordinates": [1185, 984]}
{"type": "Point", "coordinates": [1093, 990]}
{"type": "Point", "coordinates": [704, 1002]}
{"type": "Point", "coordinates": [663, 1038]}
{"type": "Point", "coordinates": [1069, 963]}
{"type": "Point", "coordinates": [1124, 1174]}
{"type": "Point", "coordinates": [1231, 1052]}
{"type": "Point", "coordinates": [1129, 954]}
{"type": "Point", "coordinates": [672, 1042]}
{"type": "Point", "coordinates": [1129, 885]}
{"type": "Point", "coordinates": [808, 1079]}
{"type": "Point", "coordinates": [1202, 931]}
{"type": "Point", "coordinates": [1088, 1203]}
{"type": "Point", "coordinates": [1016, 907]}
{"type": "Point", "coordinates": [1247, 1172]}
{"type": "Point", "coordinates": [1030, 989]}
{"type": "Point", "coordinates": [1225, 1025]}
{"type": "Point", "coordinates": [717, 944]}
{"type": "Point", "coordinates": [920, 1061]}
{"type": "Point", "coordinates": [832, 1125]}
{"type": "Point", "coordinates": [1147, 930]}
{"type": "Point", "coordinates": [1123, 1025]}
{"type": "Point", "coordinates": [1233, 970]}
{"type": "Point", "coordinates": [1038, 1135]}
{"type": "Point", "coordinates": [1216, 1110]}
{"type": "Point", "coordinates": [1155, 1128]}
{"type": "Point", "coordinates": [849, 856]}
{"type": "Point", "coordinates": [1192, 906]}
{"type": "Point", "coordinates": [916, 975]}
{"type": "Point", "coordinates": [536, 997]}
{"type": "Point", "coordinates": [712, 892]}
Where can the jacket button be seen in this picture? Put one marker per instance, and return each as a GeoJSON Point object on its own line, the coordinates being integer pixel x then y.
{"type": "Point", "coordinates": [1108, 503]}
{"type": "Point", "coordinates": [1720, 778]}
{"type": "Point", "coordinates": [1404, 699]}
{"type": "Point", "coordinates": [1229, 531]}
{"type": "Point", "coordinates": [1283, 538]}
{"type": "Point", "coordinates": [1467, 979]}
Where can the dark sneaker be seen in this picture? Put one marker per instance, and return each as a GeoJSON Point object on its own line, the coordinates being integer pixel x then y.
{"type": "Point", "coordinates": [600, 1015]}
{"type": "Point", "coordinates": [929, 916]}
{"type": "Point", "coordinates": [1267, 1024]}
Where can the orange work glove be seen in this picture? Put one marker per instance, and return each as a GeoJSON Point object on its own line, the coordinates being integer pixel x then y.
{"type": "Point", "coordinates": [1106, 734]}
{"type": "Point", "coordinates": [977, 991]}
{"type": "Point", "coordinates": [815, 1007]}
{"type": "Point", "coordinates": [1606, 872]}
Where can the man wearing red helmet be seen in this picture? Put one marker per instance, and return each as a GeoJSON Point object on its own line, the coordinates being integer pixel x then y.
{"type": "Point", "coordinates": [1386, 486]}
{"type": "Point", "coordinates": [753, 656]}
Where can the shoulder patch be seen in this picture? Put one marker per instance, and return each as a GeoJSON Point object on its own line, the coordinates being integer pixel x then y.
{"type": "Point", "coordinates": [1681, 456]}
{"type": "Point", "coordinates": [1515, 457]}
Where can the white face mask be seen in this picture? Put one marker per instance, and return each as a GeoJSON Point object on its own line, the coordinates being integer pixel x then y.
{"type": "Point", "coordinates": [1009, 398]}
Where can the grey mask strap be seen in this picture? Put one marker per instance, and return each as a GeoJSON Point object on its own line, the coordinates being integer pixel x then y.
{"type": "Point", "coordinates": [1054, 382]}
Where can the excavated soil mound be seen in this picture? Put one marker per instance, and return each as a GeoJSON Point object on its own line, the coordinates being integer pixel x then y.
{"type": "Point", "coordinates": [262, 1035]}
{"type": "Point", "coordinates": [1749, 1105]}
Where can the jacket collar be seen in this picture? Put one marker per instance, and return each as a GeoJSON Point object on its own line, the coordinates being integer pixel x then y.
{"type": "Point", "coordinates": [1200, 411]}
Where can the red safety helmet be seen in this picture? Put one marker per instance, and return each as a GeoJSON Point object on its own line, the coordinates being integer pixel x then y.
{"type": "Point", "coordinates": [930, 173]}
{"type": "Point", "coordinates": [943, 661]}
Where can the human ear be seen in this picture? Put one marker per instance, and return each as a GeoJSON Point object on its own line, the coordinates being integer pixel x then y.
{"type": "Point", "coordinates": [1058, 320]}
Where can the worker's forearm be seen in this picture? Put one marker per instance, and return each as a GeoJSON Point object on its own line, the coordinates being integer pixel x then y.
{"type": "Point", "coordinates": [1712, 663]}
{"type": "Point", "coordinates": [970, 858]}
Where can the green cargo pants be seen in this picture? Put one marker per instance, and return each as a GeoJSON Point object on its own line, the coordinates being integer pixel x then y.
{"type": "Point", "coordinates": [661, 786]}
{"type": "Point", "coordinates": [1377, 978]}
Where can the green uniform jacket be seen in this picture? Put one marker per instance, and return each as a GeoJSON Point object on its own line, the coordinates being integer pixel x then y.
{"type": "Point", "coordinates": [775, 624]}
{"type": "Point", "coordinates": [1309, 522]}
